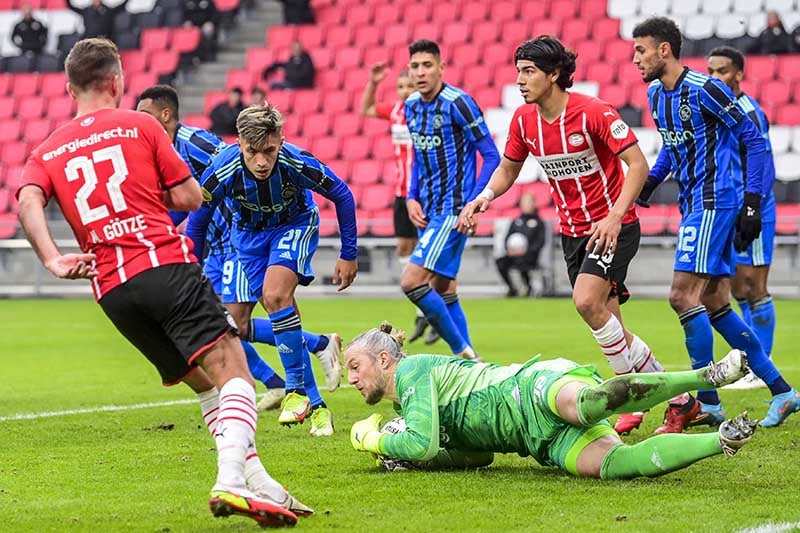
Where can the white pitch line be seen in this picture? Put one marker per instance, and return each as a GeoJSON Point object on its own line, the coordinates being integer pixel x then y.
{"type": "Point", "coordinates": [772, 528]}
{"type": "Point", "coordinates": [108, 409]}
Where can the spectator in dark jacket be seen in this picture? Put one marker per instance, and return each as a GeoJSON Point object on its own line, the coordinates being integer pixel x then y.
{"type": "Point", "coordinates": [298, 71]}
{"type": "Point", "coordinates": [523, 243]}
{"type": "Point", "coordinates": [297, 12]}
{"type": "Point", "coordinates": [29, 34]}
{"type": "Point", "coordinates": [774, 39]}
{"type": "Point", "coordinates": [224, 115]}
{"type": "Point", "coordinates": [98, 18]}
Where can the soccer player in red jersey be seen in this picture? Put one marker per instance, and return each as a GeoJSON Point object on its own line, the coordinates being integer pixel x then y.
{"type": "Point", "coordinates": [404, 229]}
{"type": "Point", "coordinates": [114, 174]}
{"type": "Point", "coordinates": [580, 142]}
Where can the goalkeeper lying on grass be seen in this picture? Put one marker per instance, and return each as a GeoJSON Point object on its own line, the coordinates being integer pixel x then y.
{"type": "Point", "coordinates": [458, 412]}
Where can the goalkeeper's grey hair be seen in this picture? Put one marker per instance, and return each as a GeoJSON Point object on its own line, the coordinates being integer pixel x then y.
{"type": "Point", "coordinates": [385, 338]}
{"type": "Point", "coordinates": [257, 122]}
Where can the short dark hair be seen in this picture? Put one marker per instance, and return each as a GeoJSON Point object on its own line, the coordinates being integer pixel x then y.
{"type": "Point", "coordinates": [91, 62]}
{"type": "Point", "coordinates": [548, 54]}
{"type": "Point", "coordinates": [734, 54]}
{"type": "Point", "coordinates": [424, 45]}
{"type": "Point", "coordinates": [163, 95]}
{"type": "Point", "coordinates": [663, 30]}
{"type": "Point", "coordinates": [237, 90]}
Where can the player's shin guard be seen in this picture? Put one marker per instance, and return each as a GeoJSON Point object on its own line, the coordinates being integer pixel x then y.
{"type": "Point", "coordinates": [257, 366]}
{"type": "Point", "coordinates": [289, 341]}
{"type": "Point", "coordinates": [611, 338]}
{"type": "Point", "coordinates": [438, 316]}
{"type": "Point", "coordinates": [261, 331]}
{"type": "Point", "coordinates": [457, 314]}
{"type": "Point", "coordinates": [740, 336]}
{"type": "Point", "coordinates": [700, 345]}
{"type": "Point", "coordinates": [634, 392]}
{"type": "Point", "coordinates": [763, 322]}
{"type": "Point", "coordinates": [658, 455]}
{"type": "Point", "coordinates": [235, 431]}
{"type": "Point", "coordinates": [642, 357]}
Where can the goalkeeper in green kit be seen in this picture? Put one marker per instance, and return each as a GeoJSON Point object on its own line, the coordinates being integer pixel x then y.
{"type": "Point", "coordinates": [459, 412]}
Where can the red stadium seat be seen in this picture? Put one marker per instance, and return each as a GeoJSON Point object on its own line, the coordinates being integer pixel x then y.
{"type": "Point", "coordinates": [13, 177]}
{"type": "Point", "coordinates": [378, 54]}
{"type": "Point", "coordinates": [488, 97]}
{"type": "Point", "coordinates": [362, 218]}
{"type": "Point", "coordinates": [546, 27]}
{"type": "Point", "coordinates": [283, 100]}
{"type": "Point", "coordinates": [154, 39]}
{"type": "Point", "coordinates": [389, 172]}
{"type": "Point", "coordinates": [5, 200]}
{"type": "Point", "coordinates": [508, 200]}
{"type": "Point", "coordinates": [337, 102]}
{"type": "Point", "coordinates": [426, 31]}
{"type": "Point", "coordinates": [310, 37]}
{"type": "Point", "coordinates": [197, 121]}
{"type": "Point", "coordinates": [788, 66]}
{"type": "Point", "coordinates": [775, 91]}
{"type": "Point", "coordinates": [788, 219]}
{"type": "Point", "coordinates": [133, 61]}
{"type": "Point", "coordinates": [475, 11]}
{"type": "Point", "coordinates": [485, 32]}
{"type": "Point", "coordinates": [376, 126]}
{"type": "Point", "coordinates": [37, 131]}
{"type": "Point", "coordinates": [416, 14]}
{"type": "Point", "coordinates": [213, 98]}
{"type": "Point", "coordinates": [348, 124]}
{"type": "Point", "coordinates": [653, 221]}
{"type": "Point", "coordinates": [60, 108]}
{"type": "Point", "coordinates": [751, 88]}
{"type": "Point", "coordinates": [7, 106]}
{"type": "Point", "coordinates": [10, 130]}
{"type": "Point", "coordinates": [339, 36]}
{"type": "Point", "coordinates": [444, 13]}
{"type": "Point", "coordinates": [326, 148]}
{"type": "Point", "coordinates": [588, 52]}
{"type": "Point", "coordinates": [628, 74]}
{"type": "Point", "coordinates": [478, 77]}
{"type": "Point", "coordinates": [366, 172]}
{"type": "Point", "coordinates": [396, 35]}
{"type": "Point", "coordinates": [30, 107]}
{"type": "Point", "coordinates": [226, 5]}
{"type": "Point", "coordinates": [240, 77]}
{"type": "Point", "coordinates": [602, 73]}
{"type": "Point", "coordinates": [25, 85]}
{"type": "Point", "coordinates": [760, 68]}
{"type": "Point", "coordinates": [306, 101]}
{"type": "Point", "coordinates": [504, 12]}
{"type": "Point", "coordinates": [328, 80]}
{"type": "Point", "coordinates": [386, 14]}
{"type": "Point", "coordinates": [377, 196]}
{"type": "Point", "coordinates": [500, 54]}
{"type": "Point", "coordinates": [616, 95]}
{"type": "Point", "coordinates": [185, 39]}
{"type": "Point", "coordinates": [515, 31]}
{"type": "Point", "coordinates": [465, 55]}
{"type": "Point", "coordinates": [349, 57]}
{"type": "Point", "coordinates": [381, 223]}
{"type": "Point", "coordinates": [14, 153]}
{"type": "Point", "coordinates": [576, 29]}
{"type": "Point", "coordinates": [359, 14]}
{"type": "Point", "coordinates": [340, 167]}
{"type": "Point", "coordinates": [141, 81]}
{"type": "Point", "coordinates": [382, 150]}
{"type": "Point", "coordinates": [281, 36]}
{"type": "Point", "coordinates": [356, 148]}
{"type": "Point", "coordinates": [164, 62]}
{"type": "Point", "coordinates": [368, 36]}
{"type": "Point", "coordinates": [260, 58]}
{"type": "Point", "coordinates": [563, 10]}
{"type": "Point", "coordinates": [604, 29]}
{"type": "Point", "coordinates": [619, 51]}
{"type": "Point", "coordinates": [8, 226]}
{"type": "Point", "coordinates": [5, 83]}
{"type": "Point", "coordinates": [317, 125]}
{"type": "Point", "coordinates": [788, 115]}
{"type": "Point", "coordinates": [673, 219]}
{"type": "Point", "coordinates": [594, 10]}
{"type": "Point", "coordinates": [355, 79]}
{"type": "Point", "coordinates": [541, 191]}
{"type": "Point", "coordinates": [456, 33]}
{"type": "Point", "coordinates": [53, 84]}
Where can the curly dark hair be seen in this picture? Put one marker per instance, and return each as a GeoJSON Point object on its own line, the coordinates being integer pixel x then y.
{"type": "Point", "coordinates": [663, 30]}
{"type": "Point", "coordinates": [549, 55]}
{"type": "Point", "coordinates": [734, 54]}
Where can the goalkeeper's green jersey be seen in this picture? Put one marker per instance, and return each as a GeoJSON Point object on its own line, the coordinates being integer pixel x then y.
{"type": "Point", "coordinates": [458, 404]}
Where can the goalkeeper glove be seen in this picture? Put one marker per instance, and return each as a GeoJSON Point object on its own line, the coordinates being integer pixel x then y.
{"type": "Point", "coordinates": [748, 223]}
{"type": "Point", "coordinates": [647, 191]}
{"type": "Point", "coordinates": [365, 435]}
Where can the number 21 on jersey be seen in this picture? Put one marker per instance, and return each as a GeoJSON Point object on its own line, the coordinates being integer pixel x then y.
{"type": "Point", "coordinates": [86, 166]}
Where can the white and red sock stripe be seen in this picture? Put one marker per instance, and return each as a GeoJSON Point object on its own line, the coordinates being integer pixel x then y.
{"type": "Point", "coordinates": [643, 359]}
{"type": "Point", "coordinates": [611, 338]}
{"type": "Point", "coordinates": [235, 430]}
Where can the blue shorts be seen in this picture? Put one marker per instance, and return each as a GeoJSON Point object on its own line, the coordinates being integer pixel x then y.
{"type": "Point", "coordinates": [760, 252]}
{"type": "Point", "coordinates": [227, 276]}
{"type": "Point", "coordinates": [705, 242]}
{"type": "Point", "coordinates": [440, 247]}
{"type": "Point", "coordinates": [291, 245]}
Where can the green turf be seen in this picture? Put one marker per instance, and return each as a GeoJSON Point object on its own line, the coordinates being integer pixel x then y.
{"type": "Point", "coordinates": [122, 471]}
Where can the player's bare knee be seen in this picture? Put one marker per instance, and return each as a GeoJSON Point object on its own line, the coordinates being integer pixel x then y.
{"type": "Point", "coordinates": [590, 307]}
{"type": "Point", "coordinates": [679, 300]}
{"type": "Point", "coordinates": [275, 300]}
{"type": "Point", "coordinates": [590, 460]}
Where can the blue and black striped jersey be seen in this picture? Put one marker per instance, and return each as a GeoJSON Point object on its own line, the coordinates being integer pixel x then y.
{"type": "Point", "coordinates": [757, 115]}
{"type": "Point", "coordinates": [263, 204]}
{"type": "Point", "coordinates": [696, 120]}
{"type": "Point", "coordinates": [444, 133]}
{"type": "Point", "coordinates": [197, 147]}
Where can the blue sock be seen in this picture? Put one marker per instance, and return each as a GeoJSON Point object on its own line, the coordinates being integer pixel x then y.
{"type": "Point", "coordinates": [258, 367]}
{"type": "Point", "coordinates": [700, 345]}
{"type": "Point", "coordinates": [744, 307]}
{"type": "Point", "coordinates": [763, 322]}
{"type": "Point", "coordinates": [438, 316]}
{"type": "Point", "coordinates": [312, 391]}
{"type": "Point", "coordinates": [289, 339]}
{"type": "Point", "coordinates": [457, 314]}
{"type": "Point", "coordinates": [740, 336]}
{"type": "Point", "coordinates": [275, 382]}
{"type": "Point", "coordinates": [261, 331]}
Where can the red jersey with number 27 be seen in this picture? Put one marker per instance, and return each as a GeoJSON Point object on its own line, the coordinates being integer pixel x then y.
{"type": "Point", "coordinates": [108, 170]}
{"type": "Point", "coordinates": [401, 138]}
{"type": "Point", "coordinates": [578, 152]}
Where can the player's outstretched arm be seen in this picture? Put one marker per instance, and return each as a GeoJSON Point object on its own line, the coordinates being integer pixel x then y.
{"type": "Point", "coordinates": [186, 196]}
{"type": "Point", "coordinates": [377, 73]}
{"type": "Point", "coordinates": [34, 223]}
{"type": "Point", "coordinates": [502, 179]}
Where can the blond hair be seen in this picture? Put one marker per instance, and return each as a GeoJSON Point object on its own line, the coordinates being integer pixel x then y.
{"type": "Point", "coordinates": [385, 338]}
{"type": "Point", "coordinates": [257, 122]}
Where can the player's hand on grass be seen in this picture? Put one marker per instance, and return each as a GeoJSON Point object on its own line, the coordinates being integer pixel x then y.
{"type": "Point", "coordinates": [72, 266]}
{"type": "Point", "coordinates": [344, 273]}
{"type": "Point", "coordinates": [415, 214]}
{"type": "Point", "coordinates": [468, 219]}
{"type": "Point", "coordinates": [604, 235]}
{"type": "Point", "coordinates": [365, 434]}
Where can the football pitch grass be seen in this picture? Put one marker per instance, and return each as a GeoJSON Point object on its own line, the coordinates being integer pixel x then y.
{"type": "Point", "coordinates": [150, 468]}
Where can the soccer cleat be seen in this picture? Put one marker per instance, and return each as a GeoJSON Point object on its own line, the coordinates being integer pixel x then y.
{"type": "Point", "coordinates": [321, 422]}
{"type": "Point", "coordinates": [728, 370]}
{"type": "Point", "coordinates": [294, 409]}
{"type": "Point", "coordinates": [331, 359]}
{"type": "Point", "coordinates": [470, 355]}
{"type": "Point", "coordinates": [420, 325]}
{"type": "Point", "coordinates": [735, 433]}
{"type": "Point", "coordinates": [628, 422]}
{"type": "Point", "coordinates": [749, 382]}
{"type": "Point", "coordinates": [225, 503]}
{"type": "Point", "coordinates": [780, 407]}
{"type": "Point", "coordinates": [432, 336]}
{"type": "Point", "coordinates": [289, 502]}
{"type": "Point", "coordinates": [271, 400]}
{"type": "Point", "coordinates": [677, 417]}
{"type": "Point", "coordinates": [709, 415]}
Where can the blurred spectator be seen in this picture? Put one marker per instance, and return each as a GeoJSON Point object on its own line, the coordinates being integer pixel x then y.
{"type": "Point", "coordinates": [223, 117]}
{"type": "Point", "coordinates": [298, 71]}
{"type": "Point", "coordinates": [98, 18]}
{"type": "Point", "coordinates": [774, 39]}
{"type": "Point", "coordinates": [796, 39]}
{"type": "Point", "coordinates": [524, 241]}
{"type": "Point", "coordinates": [258, 97]}
{"type": "Point", "coordinates": [297, 12]}
{"type": "Point", "coordinates": [29, 34]}
{"type": "Point", "coordinates": [204, 15]}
